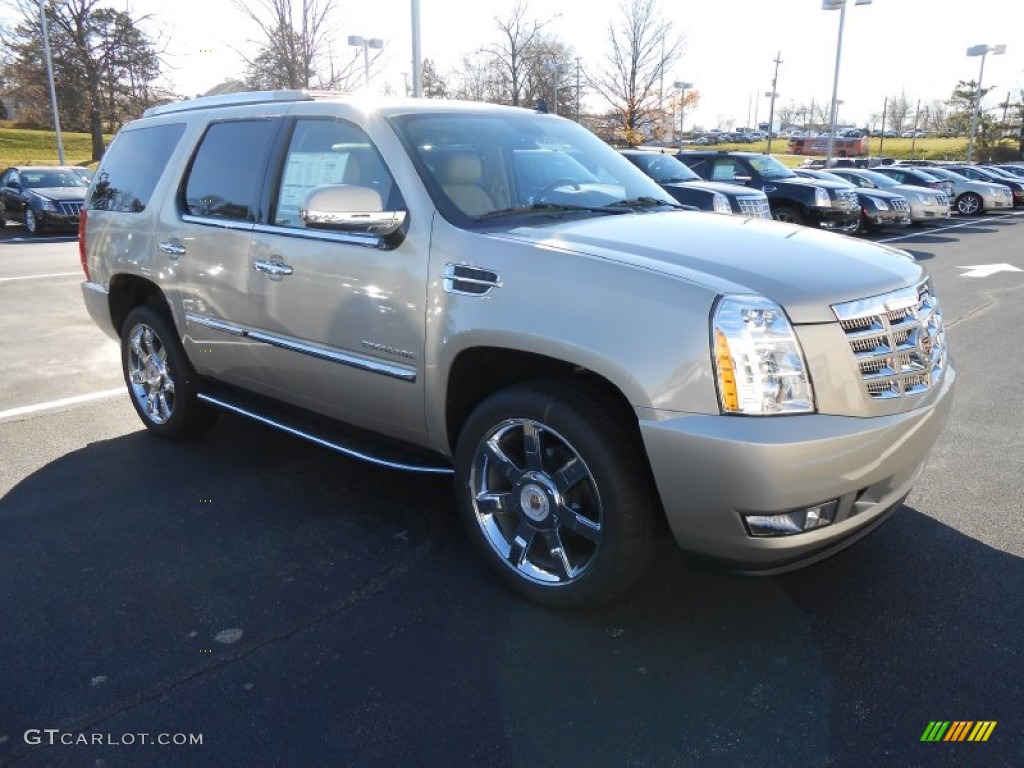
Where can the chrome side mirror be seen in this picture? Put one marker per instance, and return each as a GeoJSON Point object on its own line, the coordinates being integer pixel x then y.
{"type": "Point", "coordinates": [349, 208]}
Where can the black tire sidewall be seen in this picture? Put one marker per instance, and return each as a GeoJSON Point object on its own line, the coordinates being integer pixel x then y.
{"type": "Point", "coordinates": [971, 195]}
{"type": "Point", "coordinates": [35, 228]}
{"type": "Point", "coordinates": [612, 454]}
{"type": "Point", "coordinates": [189, 416]}
{"type": "Point", "coordinates": [795, 216]}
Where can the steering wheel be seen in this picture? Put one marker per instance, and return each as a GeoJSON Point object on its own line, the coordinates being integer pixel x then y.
{"type": "Point", "coordinates": [551, 186]}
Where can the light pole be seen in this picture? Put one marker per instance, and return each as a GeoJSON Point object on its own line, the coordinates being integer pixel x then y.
{"type": "Point", "coordinates": [771, 107]}
{"type": "Point", "coordinates": [833, 5]}
{"type": "Point", "coordinates": [417, 62]}
{"type": "Point", "coordinates": [556, 70]}
{"type": "Point", "coordinates": [983, 51]}
{"type": "Point", "coordinates": [49, 75]}
{"type": "Point", "coordinates": [367, 43]}
{"type": "Point", "coordinates": [683, 88]}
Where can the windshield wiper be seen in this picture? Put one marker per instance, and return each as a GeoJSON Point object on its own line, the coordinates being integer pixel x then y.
{"type": "Point", "coordinates": [547, 208]}
{"type": "Point", "coordinates": [639, 203]}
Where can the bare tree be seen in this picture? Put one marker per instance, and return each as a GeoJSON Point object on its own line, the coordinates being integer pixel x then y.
{"type": "Point", "coordinates": [435, 85]}
{"type": "Point", "coordinates": [900, 110]}
{"type": "Point", "coordinates": [643, 48]}
{"type": "Point", "coordinates": [295, 46]}
{"type": "Point", "coordinates": [475, 76]}
{"type": "Point", "coordinates": [517, 34]}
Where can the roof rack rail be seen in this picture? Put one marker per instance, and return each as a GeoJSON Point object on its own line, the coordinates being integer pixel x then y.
{"type": "Point", "coordinates": [231, 100]}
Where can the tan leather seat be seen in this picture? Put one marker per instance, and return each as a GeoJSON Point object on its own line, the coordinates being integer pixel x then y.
{"type": "Point", "coordinates": [461, 182]}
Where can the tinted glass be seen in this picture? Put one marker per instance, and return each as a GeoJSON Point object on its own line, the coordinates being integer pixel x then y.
{"type": "Point", "coordinates": [226, 175]}
{"type": "Point", "coordinates": [56, 178]}
{"type": "Point", "coordinates": [329, 152]}
{"type": "Point", "coordinates": [132, 166]}
{"type": "Point", "coordinates": [664, 169]}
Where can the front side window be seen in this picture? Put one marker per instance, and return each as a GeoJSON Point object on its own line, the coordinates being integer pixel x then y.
{"type": "Point", "coordinates": [326, 153]}
{"type": "Point", "coordinates": [132, 166]}
{"type": "Point", "coordinates": [226, 176]}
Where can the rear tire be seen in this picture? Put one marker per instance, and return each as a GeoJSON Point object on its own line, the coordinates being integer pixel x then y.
{"type": "Point", "coordinates": [160, 379]}
{"type": "Point", "coordinates": [555, 493]}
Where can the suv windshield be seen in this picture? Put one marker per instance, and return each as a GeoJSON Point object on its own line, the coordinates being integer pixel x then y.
{"type": "Point", "coordinates": [664, 169]}
{"type": "Point", "coordinates": [481, 167]}
{"type": "Point", "coordinates": [770, 168]}
{"type": "Point", "coordinates": [878, 179]}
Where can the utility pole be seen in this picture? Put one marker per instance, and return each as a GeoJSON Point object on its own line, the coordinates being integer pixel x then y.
{"type": "Point", "coordinates": [771, 108]}
{"type": "Point", "coordinates": [913, 137]}
{"type": "Point", "coordinates": [577, 89]}
{"type": "Point", "coordinates": [881, 141]}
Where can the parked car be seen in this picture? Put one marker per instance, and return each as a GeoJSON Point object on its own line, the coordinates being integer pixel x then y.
{"type": "Point", "coordinates": [590, 363]}
{"type": "Point", "coordinates": [1017, 169]}
{"type": "Point", "coordinates": [972, 198]}
{"type": "Point", "coordinates": [926, 204]}
{"type": "Point", "coordinates": [824, 204]}
{"type": "Point", "coordinates": [918, 177]}
{"type": "Point", "coordinates": [879, 208]}
{"type": "Point", "coordinates": [978, 173]}
{"type": "Point", "coordinates": [688, 188]}
{"type": "Point", "coordinates": [41, 197]}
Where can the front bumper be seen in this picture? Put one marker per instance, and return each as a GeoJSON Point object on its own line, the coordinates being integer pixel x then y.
{"type": "Point", "coordinates": [889, 218]}
{"type": "Point", "coordinates": [54, 220]}
{"type": "Point", "coordinates": [836, 219]}
{"type": "Point", "coordinates": [711, 469]}
{"type": "Point", "coordinates": [922, 212]}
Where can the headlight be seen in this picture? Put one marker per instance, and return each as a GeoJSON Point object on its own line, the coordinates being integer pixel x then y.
{"type": "Point", "coordinates": [993, 191]}
{"type": "Point", "coordinates": [821, 197]}
{"type": "Point", "coordinates": [880, 204]}
{"type": "Point", "coordinates": [758, 362]}
{"type": "Point", "coordinates": [47, 204]}
{"type": "Point", "coordinates": [924, 199]}
{"type": "Point", "coordinates": [720, 203]}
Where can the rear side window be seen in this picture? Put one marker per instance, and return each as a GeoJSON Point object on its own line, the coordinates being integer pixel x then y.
{"type": "Point", "coordinates": [227, 173]}
{"type": "Point", "coordinates": [132, 166]}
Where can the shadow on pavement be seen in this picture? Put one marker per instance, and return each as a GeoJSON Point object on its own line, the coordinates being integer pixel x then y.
{"type": "Point", "coordinates": [370, 635]}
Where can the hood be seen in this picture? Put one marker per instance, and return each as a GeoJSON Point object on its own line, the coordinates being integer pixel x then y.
{"type": "Point", "coordinates": [61, 194]}
{"type": "Point", "coordinates": [803, 269]}
{"type": "Point", "coordinates": [907, 189]}
{"type": "Point", "coordinates": [717, 186]}
{"type": "Point", "coordinates": [882, 194]}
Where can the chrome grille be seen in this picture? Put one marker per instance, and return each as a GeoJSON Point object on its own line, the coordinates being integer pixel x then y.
{"type": "Point", "coordinates": [755, 207]}
{"type": "Point", "coordinates": [943, 200]}
{"type": "Point", "coordinates": [898, 340]}
{"type": "Point", "coordinates": [900, 205]}
{"type": "Point", "coordinates": [70, 209]}
{"type": "Point", "coordinates": [848, 198]}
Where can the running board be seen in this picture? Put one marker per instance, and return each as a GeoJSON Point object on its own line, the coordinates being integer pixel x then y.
{"type": "Point", "coordinates": [417, 464]}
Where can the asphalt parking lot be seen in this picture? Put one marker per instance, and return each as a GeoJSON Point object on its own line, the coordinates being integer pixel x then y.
{"type": "Point", "coordinates": [291, 607]}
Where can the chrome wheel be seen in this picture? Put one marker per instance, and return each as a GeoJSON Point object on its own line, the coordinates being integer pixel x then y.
{"type": "Point", "coordinates": [149, 374]}
{"type": "Point", "coordinates": [31, 223]}
{"type": "Point", "coordinates": [536, 502]}
{"type": "Point", "coordinates": [968, 204]}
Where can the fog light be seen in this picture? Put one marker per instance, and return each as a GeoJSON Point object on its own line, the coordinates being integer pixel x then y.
{"type": "Point", "coordinates": [797, 521]}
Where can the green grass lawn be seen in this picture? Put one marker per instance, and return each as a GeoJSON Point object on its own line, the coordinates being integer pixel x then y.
{"type": "Point", "coordinates": [23, 147]}
{"type": "Point", "coordinates": [902, 149]}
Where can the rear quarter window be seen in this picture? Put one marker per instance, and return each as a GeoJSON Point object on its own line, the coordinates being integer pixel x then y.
{"type": "Point", "coordinates": [132, 166]}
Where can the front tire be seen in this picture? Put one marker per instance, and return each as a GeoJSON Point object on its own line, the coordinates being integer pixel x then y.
{"type": "Point", "coordinates": [969, 204]}
{"type": "Point", "coordinates": [160, 379]}
{"type": "Point", "coordinates": [788, 213]}
{"type": "Point", "coordinates": [555, 493]}
{"type": "Point", "coordinates": [32, 223]}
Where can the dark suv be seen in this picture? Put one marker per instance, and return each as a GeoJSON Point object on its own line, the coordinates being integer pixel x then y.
{"type": "Point", "coordinates": [823, 204]}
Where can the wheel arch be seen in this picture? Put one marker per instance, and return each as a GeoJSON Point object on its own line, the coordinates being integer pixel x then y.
{"type": "Point", "coordinates": [128, 291]}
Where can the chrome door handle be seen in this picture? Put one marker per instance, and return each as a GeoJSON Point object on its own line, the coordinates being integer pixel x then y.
{"type": "Point", "coordinates": [768, 189]}
{"type": "Point", "coordinates": [172, 248]}
{"type": "Point", "coordinates": [273, 268]}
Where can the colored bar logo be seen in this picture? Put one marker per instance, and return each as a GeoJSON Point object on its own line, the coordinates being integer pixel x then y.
{"type": "Point", "coordinates": [958, 730]}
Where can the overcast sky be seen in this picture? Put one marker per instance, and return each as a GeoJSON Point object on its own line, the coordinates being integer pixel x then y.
{"type": "Point", "coordinates": [891, 45]}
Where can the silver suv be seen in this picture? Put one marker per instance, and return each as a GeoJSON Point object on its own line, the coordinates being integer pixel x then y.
{"type": "Point", "coordinates": [495, 293]}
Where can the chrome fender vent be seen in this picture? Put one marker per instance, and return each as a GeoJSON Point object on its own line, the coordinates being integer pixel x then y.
{"type": "Point", "coordinates": [470, 281]}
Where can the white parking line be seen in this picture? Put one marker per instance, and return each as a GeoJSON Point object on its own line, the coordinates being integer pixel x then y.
{"type": "Point", "coordinates": [52, 405]}
{"type": "Point", "coordinates": [38, 277]}
{"type": "Point", "coordinates": [931, 230]}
